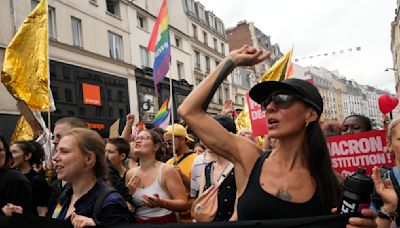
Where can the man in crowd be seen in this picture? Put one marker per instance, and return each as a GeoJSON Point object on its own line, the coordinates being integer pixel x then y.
{"type": "Point", "coordinates": [184, 158]}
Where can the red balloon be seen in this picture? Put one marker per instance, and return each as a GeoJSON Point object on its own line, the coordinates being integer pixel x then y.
{"type": "Point", "coordinates": [387, 103]}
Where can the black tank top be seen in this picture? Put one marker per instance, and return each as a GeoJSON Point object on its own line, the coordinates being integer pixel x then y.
{"type": "Point", "coordinates": [226, 193]}
{"type": "Point", "coordinates": [257, 204]}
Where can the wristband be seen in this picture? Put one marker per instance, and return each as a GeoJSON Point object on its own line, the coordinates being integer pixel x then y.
{"type": "Point", "coordinates": [222, 74]}
{"type": "Point", "coordinates": [386, 215]}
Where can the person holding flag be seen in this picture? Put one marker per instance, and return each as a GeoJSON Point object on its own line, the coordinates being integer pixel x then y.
{"type": "Point", "coordinates": [296, 178]}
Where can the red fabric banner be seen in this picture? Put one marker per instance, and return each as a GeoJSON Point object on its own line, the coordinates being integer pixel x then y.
{"type": "Point", "coordinates": [257, 117]}
{"type": "Point", "coordinates": [366, 150]}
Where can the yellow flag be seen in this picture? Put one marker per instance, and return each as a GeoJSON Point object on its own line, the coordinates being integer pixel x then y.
{"type": "Point", "coordinates": [22, 131]}
{"type": "Point", "coordinates": [25, 67]}
{"type": "Point", "coordinates": [243, 119]}
{"type": "Point", "coordinates": [279, 71]}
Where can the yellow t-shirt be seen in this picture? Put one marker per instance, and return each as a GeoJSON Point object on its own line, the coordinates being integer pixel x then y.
{"type": "Point", "coordinates": [186, 167]}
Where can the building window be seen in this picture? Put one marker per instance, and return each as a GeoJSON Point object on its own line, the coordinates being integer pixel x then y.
{"type": "Point", "coordinates": [141, 22]}
{"type": "Point", "coordinates": [115, 46]}
{"type": "Point", "coordinates": [99, 110]}
{"type": "Point", "coordinates": [54, 91]}
{"type": "Point", "coordinates": [68, 95]}
{"type": "Point", "coordinates": [34, 3]}
{"type": "Point", "coordinates": [120, 96]}
{"type": "Point", "coordinates": [144, 56]}
{"type": "Point", "coordinates": [197, 59]}
{"type": "Point", "coordinates": [52, 22]}
{"type": "Point", "coordinates": [223, 48]}
{"type": "Point", "coordinates": [215, 44]}
{"type": "Point", "coordinates": [227, 96]}
{"type": "Point", "coordinates": [178, 42]}
{"type": "Point", "coordinates": [179, 68]}
{"type": "Point", "coordinates": [220, 96]}
{"type": "Point", "coordinates": [82, 111]}
{"type": "Point", "coordinates": [76, 32]}
{"type": "Point", "coordinates": [110, 112]}
{"type": "Point", "coordinates": [205, 37]}
{"type": "Point", "coordinates": [113, 7]}
{"type": "Point", "coordinates": [67, 74]}
{"type": "Point", "coordinates": [194, 27]}
{"type": "Point", "coordinates": [109, 94]}
{"type": "Point", "coordinates": [201, 13]}
{"type": "Point", "coordinates": [207, 64]}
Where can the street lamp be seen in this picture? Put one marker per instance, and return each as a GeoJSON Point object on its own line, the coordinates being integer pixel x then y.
{"type": "Point", "coordinates": [393, 69]}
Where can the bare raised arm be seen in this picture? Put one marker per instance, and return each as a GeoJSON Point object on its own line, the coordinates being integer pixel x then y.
{"type": "Point", "coordinates": [193, 110]}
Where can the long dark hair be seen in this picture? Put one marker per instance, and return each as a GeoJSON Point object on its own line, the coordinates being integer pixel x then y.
{"type": "Point", "coordinates": [7, 150]}
{"type": "Point", "coordinates": [34, 148]}
{"type": "Point", "coordinates": [320, 167]}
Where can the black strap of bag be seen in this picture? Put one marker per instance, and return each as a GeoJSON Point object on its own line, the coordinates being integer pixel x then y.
{"type": "Point", "coordinates": [183, 157]}
{"type": "Point", "coordinates": [104, 192]}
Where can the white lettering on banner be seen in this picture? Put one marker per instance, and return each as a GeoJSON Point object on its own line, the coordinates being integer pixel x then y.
{"type": "Point", "coordinates": [350, 147]}
{"type": "Point", "coordinates": [161, 49]}
{"type": "Point", "coordinates": [361, 160]}
{"type": "Point", "coordinates": [256, 115]}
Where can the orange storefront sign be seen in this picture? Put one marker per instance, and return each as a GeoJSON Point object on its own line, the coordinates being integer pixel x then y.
{"type": "Point", "coordinates": [91, 94]}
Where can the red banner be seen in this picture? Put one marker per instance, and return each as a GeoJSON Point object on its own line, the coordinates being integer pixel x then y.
{"type": "Point", "coordinates": [366, 150]}
{"type": "Point", "coordinates": [91, 94]}
{"type": "Point", "coordinates": [257, 117]}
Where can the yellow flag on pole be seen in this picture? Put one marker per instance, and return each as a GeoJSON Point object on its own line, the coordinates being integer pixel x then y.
{"type": "Point", "coordinates": [279, 71]}
{"type": "Point", "coordinates": [25, 67]}
{"type": "Point", "coordinates": [22, 131]}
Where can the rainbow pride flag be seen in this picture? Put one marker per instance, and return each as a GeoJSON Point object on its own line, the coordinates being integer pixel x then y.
{"type": "Point", "coordinates": [159, 43]}
{"type": "Point", "coordinates": [163, 116]}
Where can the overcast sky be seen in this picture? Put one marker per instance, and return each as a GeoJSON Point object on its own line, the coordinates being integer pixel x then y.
{"type": "Point", "coordinates": [323, 26]}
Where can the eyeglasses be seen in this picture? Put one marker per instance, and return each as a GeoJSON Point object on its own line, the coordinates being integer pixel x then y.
{"type": "Point", "coordinates": [141, 138]}
{"type": "Point", "coordinates": [281, 101]}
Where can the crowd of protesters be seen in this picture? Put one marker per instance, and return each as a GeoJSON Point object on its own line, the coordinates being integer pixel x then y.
{"type": "Point", "coordinates": [161, 176]}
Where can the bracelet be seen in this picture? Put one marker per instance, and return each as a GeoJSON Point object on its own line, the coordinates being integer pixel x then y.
{"type": "Point", "coordinates": [386, 215]}
{"type": "Point", "coordinates": [130, 124]}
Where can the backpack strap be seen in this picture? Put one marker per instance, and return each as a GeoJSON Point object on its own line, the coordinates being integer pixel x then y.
{"type": "Point", "coordinates": [225, 173]}
{"type": "Point", "coordinates": [98, 205]}
{"type": "Point", "coordinates": [183, 157]}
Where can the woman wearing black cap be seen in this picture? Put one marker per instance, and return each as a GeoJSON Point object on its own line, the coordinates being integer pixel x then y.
{"type": "Point", "coordinates": [293, 180]}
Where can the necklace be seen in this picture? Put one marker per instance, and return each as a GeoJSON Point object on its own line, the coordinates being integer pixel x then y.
{"type": "Point", "coordinates": [284, 195]}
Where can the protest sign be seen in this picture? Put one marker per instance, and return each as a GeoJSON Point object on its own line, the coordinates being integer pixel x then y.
{"type": "Point", "coordinates": [257, 117]}
{"type": "Point", "coordinates": [366, 150]}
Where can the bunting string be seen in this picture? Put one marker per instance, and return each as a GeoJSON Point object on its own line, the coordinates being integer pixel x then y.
{"type": "Point", "coordinates": [330, 53]}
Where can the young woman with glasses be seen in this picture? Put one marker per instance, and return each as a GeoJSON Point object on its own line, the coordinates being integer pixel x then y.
{"type": "Point", "coordinates": [295, 179]}
{"type": "Point", "coordinates": [156, 187]}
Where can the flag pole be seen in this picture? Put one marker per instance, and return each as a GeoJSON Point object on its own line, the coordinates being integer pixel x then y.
{"type": "Point", "coordinates": [49, 91]}
{"type": "Point", "coordinates": [172, 115]}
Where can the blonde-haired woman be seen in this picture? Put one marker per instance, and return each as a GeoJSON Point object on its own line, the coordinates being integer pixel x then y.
{"type": "Point", "coordinates": [80, 160]}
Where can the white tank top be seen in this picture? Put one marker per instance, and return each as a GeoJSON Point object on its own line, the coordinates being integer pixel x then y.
{"type": "Point", "coordinates": [148, 212]}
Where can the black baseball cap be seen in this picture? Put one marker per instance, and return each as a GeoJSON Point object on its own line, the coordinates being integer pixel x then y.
{"type": "Point", "coordinates": [227, 122]}
{"type": "Point", "coordinates": [304, 89]}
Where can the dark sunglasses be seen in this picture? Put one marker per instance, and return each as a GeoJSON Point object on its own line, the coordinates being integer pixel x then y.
{"type": "Point", "coordinates": [282, 100]}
